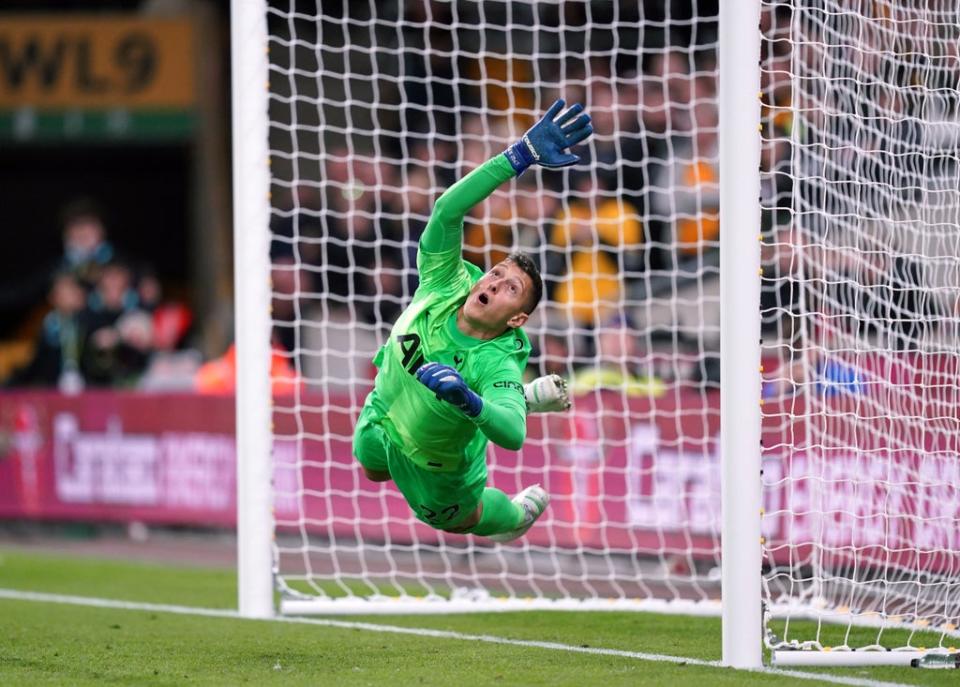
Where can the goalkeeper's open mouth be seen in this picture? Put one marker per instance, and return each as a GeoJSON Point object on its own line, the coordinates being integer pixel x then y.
{"type": "Point", "coordinates": [483, 298]}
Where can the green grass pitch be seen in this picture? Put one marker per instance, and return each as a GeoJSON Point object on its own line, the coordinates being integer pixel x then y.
{"type": "Point", "coordinates": [62, 644]}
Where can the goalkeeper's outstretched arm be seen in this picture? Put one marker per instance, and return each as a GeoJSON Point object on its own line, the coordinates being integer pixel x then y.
{"type": "Point", "coordinates": [544, 144]}
{"type": "Point", "coordinates": [500, 293]}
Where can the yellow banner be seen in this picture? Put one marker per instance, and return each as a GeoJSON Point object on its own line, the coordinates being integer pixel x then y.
{"type": "Point", "coordinates": [95, 62]}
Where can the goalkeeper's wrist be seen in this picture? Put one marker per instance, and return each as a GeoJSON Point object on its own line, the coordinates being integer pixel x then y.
{"type": "Point", "coordinates": [472, 405]}
{"type": "Point", "coordinates": [521, 155]}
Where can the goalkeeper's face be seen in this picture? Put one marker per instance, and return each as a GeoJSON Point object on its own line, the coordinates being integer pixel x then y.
{"type": "Point", "coordinates": [500, 299]}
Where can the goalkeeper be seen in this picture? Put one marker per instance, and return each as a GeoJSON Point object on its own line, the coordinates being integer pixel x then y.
{"type": "Point", "coordinates": [450, 377]}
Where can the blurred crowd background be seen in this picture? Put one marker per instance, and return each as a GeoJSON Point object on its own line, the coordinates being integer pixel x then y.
{"type": "Point", "coordinates": [115, 125]}
{"type": "Point", "coordinates": [411, 102]}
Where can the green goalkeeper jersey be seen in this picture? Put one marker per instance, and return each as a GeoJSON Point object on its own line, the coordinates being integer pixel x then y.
{"type": "Point", "coordinates": [433, 433]}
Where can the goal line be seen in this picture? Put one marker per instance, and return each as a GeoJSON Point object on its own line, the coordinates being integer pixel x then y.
{"type": "Point", "coordinates": [95, 602]}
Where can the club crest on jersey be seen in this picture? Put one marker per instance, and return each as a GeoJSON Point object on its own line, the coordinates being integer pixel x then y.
{"type": "Point", "coordinates": [458, 359]}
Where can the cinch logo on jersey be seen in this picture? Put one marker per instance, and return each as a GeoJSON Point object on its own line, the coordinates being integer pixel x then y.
{"type": "Point", "coordinates": [509, 385]}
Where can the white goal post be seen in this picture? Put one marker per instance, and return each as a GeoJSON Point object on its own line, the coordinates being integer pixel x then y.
{"type": "Point", "coordinates": [770, 412]}
{"type": "Point", "coordinates": [251, 212]}
{"type": "Point", "coordinates": [739, 329]}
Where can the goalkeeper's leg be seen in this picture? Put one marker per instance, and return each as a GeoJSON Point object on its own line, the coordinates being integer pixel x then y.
{"type": "Point", "coordinates": [370, 443]}
{"type": "Point", "coordinates": [497, 514]}
{"type": "Point", "coordinates": [504, 519]}
{"type": "Point", "coordinates": [437, 498]}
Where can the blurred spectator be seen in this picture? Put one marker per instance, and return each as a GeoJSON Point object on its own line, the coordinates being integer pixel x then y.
{"type": "Point", "coordinates": [818, 373]}
{"type": "Point", "coordinates": [289, 282]}
{"type": "Point", "coordinates": [655, 115]}
{"type": "Point", "coordinates": [149, 290]}
{"type": "Point", "coordinates": [172, 366]}
{"type": "Point", "coordinates": [776, 83]}
{"type": "Point", "coordinates": [112, 325]}
{"type": "Point", "coordinates": [487, 240]}
{"type": "Point", "coordinates": [706, 373]}
{"type": "Point", "coordinates": [911, 309]}
{"type": "Point", "coordinates": [86, 249]}
{"type": "Point", "coordinates": [298, 228]}
{"type": "Point", "coordinates": [776, 182]}
{"type": "Point", "coordinates": [58, 349]}
{"type": "Point", "coordinates": [884, 297]}
{"type": "Point", "coordinates": [376, 267]}
{"type": "Point", "coordinates": [330, 243]}
{"type": "Point", "coordinates": [311, 231]}
{"type": "Point", "coordinates": [669, 71]}
{"type": "Point", "coordinates": [113, 295]}
{"type": "Point", "coordinates": [219, 376]}
{"type": "Point", "coordinates": [618, 364]}
{"type": "Point", "coordinates": [432, 91]}
{"type": "Point", "coordinates": [508, 84]}
{"type": "Point", "coordinates": [119, 335]}
{"type": "Point", "coordinates": [835, 377]}
{"type": "Point", "coordinates": [554, 356]}
{"type": "Point", "coordinates": [85, 252]}
{"type": "Point", "coordinates": [617, 147]}
{"type": "Point", "coordinates": [477, 145]}
{"type": "Point", "coordinates": [341, 353]}
{"type": "Point", "coordinates": [689, 188]}
{"type": "Point", "coordinates": [780, 288]}
{"type": "Point", "coordinates": [504, 221]}
{"type": "Point", "coordinates": [595, 239]}
{"type": "Point", "coordinates": [417, 204]}
{"type": "Point", "coordinates": [383, 289]}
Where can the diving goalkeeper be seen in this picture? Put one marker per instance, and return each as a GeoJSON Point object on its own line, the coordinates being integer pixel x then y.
{"type": "Point", "coordinates": [450, 377]}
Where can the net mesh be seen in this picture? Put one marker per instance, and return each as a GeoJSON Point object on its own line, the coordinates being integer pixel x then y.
{"type": "Point", "coordinates": [860, 292]}
{"type": "Point", "coordinates": [374, 110]}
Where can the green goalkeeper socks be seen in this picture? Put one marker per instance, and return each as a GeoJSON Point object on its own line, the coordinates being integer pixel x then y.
{"type": "Point", "coordinates": [500, 514]}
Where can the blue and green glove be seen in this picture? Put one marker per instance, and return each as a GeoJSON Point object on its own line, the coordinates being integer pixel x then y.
{"type": "Point", "coordinates": [449, 386]}
{"type": "Point", "coordinates": [544, 144]}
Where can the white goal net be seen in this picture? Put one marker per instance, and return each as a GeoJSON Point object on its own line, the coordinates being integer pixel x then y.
{"type": "Point", "coordinates": [374, 110]}
{"type": "Point", "coordinates": [861, 287]}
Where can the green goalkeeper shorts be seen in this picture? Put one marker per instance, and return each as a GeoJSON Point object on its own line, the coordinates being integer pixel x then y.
{"type": "Point", "coordinates": [440, 499]}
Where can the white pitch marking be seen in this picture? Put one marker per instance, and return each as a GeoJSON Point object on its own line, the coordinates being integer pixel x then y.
{"type": "Point", "coordinates": [41, 597]}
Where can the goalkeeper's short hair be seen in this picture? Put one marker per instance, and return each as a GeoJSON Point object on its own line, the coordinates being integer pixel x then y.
{"type": "Point", "coordinates": [526, 263]}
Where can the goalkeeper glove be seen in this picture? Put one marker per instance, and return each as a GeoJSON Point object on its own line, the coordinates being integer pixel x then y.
{"type": "Point", "coordinates": [449, 386]}
{"type": "Point", "coordinates": [547, 394]}
{"type": "Point", "coordinates": [546, 140]}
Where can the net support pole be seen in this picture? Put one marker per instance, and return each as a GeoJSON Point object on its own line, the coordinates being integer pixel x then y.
{"type": "Point", "coordinates": [740, 331]}
{"type": "Point", "coordinates": [251, 216]}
